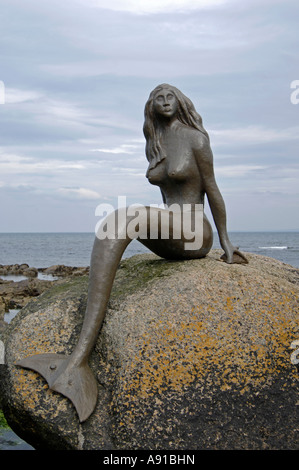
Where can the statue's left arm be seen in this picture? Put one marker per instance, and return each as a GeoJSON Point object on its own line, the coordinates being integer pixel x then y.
{"type": "Point", "coordinates": [204, 157]}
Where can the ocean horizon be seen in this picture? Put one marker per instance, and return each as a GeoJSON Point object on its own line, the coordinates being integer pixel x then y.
{"type": "Point", "coordinates": [44, 249]}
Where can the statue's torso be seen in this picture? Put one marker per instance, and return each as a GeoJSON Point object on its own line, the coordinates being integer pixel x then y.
{"type": "Point", "coordinates": [177, 174]}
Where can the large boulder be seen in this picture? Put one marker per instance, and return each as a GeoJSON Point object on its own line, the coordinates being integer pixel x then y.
{"type": "Point", "coordinates": [192, 355]}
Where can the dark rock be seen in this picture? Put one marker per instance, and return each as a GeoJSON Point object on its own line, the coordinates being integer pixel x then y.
{"type": "Point", "coordinates": [18, 294]}
{"type": "Point", "coordinates": [18, 269]}
{"type": "Point", "coordinates": [192, 355]}
{"type": "Point", "coordinates": [65, 271]}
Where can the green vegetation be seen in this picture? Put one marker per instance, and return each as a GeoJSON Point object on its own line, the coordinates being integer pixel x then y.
{"type": "Point", "coordinates": [134, 273]}
{"type": "Point", "coordinates": [3, 423]}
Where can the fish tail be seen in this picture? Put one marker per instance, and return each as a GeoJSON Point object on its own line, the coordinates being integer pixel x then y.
{"type": "Point", "coordinates": [75, 382]}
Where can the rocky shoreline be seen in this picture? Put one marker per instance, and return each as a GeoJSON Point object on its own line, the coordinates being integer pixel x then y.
{"type": "Point", "coordinates": [16, 293]}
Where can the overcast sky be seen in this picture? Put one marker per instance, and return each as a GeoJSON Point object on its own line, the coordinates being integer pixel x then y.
{"type": "Point", "coordinates": [77, 74]}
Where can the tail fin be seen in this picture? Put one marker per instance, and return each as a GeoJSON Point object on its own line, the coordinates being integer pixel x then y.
{"type": "Point", "coordinates": [76, 383]}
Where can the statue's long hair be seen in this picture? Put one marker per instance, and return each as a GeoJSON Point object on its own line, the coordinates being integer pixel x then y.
{"type": "Point", "coordinates": [152, 128]}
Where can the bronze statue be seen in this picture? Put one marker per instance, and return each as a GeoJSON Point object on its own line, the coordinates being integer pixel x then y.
{"type": "Point", "coordinates": [181, 164]}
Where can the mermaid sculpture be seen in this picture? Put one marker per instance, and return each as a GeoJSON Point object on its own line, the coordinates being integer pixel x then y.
{"type": "Point", "coordinates": [181, 164]}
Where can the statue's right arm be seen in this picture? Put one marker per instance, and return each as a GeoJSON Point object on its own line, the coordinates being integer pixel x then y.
{"type": "Point", "coordinates": [204, 158]}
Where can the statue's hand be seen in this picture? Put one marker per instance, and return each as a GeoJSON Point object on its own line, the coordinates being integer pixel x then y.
{"type": "Point", "coordinates": [232, 254]}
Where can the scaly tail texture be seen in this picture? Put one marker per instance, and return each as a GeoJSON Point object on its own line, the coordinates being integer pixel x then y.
{"type": "Point", "coordinates": [75, 382]}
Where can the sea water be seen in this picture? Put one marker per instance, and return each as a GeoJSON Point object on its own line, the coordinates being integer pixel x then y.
{"type": "Point", "coordinates": [41, 250]}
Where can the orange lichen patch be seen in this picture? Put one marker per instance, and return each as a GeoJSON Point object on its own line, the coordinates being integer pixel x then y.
{"type": "Point", "coordinates": [45, 337]}
{"type": "Point", "coordinates": [23, 380]}
{"type": "Point", "coordinates": [243, 346]}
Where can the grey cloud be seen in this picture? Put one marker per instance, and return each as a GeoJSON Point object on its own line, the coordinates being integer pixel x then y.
{"type": "Point", "coordinates": [77, 78]}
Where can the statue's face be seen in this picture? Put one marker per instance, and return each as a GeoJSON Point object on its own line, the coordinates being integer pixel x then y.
{"type": "Point", "coordinates": [165, 103]}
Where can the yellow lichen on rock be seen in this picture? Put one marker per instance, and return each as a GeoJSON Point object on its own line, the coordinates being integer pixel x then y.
{"type": "Point", "coordinates": [173, 354]}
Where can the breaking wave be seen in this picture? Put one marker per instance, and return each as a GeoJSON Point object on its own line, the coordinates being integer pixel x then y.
{"type": "Point", "coordinates": [273, 247]}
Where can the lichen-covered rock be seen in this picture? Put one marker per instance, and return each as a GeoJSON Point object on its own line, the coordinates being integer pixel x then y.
{"type": "Point", "coordinates": [192, 355]}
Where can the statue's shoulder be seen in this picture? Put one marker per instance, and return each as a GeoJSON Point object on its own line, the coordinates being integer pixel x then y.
{"type": "Point", "coordinates": [199, 140]}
